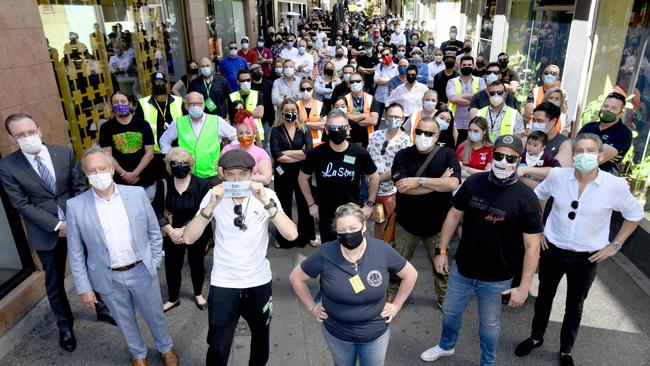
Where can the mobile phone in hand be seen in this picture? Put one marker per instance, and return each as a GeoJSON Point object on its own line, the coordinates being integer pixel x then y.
{"type": "Point", "coordinates": [505, 299]}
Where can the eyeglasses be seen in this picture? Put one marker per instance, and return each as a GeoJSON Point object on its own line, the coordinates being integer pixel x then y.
{"type": "Point", "coordinates": [195, 104]}
{"type": "Point", "coordinates": [498, 92]}
{"type": "Point", "coordinates": [245, 80]}
{"type": "Point", "coordinates": [509, 158]}
{"type": "Point", "coordinates": [384, 147]}
{"type": "Point", "coordinates": [26, 134]}
{"type": "Point", "coordinates": [239, 220]}
{"type": "Point", "coordinates": [355, 81]}
{"type": "Point", "coordinates": [574, 205]}
{"type": "Point", "coordinates": [178, 163]}
{"type": "Point", "coordinates": [415, 75]}
{"type": "Point", "coordinates": [336, 128]}
{"type": "Point", "coordinates": [419, 132]}
{"type": "Point", "coordinates": [554, 73]}
{"type": "Point", "coordinates": [306, 89]}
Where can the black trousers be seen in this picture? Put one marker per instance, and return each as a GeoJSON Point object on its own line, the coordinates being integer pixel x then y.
{"type": "Point", "coordinates": [325, 220]}
{"type": "Point", "coordinates": [580, 274]}
{"type": "Point", "coordinates": [54, 263]}
{"type": "Point", "coordinates": [286, 185]}
{"type": "Point", "coordinates": [225, 306]}
{"type": "Point", "coordinates": [174, 260]}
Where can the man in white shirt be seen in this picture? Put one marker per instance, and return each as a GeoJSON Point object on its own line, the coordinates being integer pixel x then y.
{"type": "Point", "coordinates": [288, 86]}
{"type": "Point", "coordinates": [398, 37]}
{"type": "Point", "coordinates": [289, 52]}
{"type": "Point", "coordinates": [240, 282]}
{"type": "Point", "coordinates": [435, 66]}
{"type": "Point", "coordinates": [115, 249]}
{"type": "Point", "coordinates": [577, 237]}
{"type": "Point", "coordinates": [410, 93]}
{"type": "Point", "coordinates": [304, 60]}
{"type": "Point", "coordinates": [385, 70]}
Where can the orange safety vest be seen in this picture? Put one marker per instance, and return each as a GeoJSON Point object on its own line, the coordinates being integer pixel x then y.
{"type": "Point", "coordinates": [367, 102]}
{"type": "Point", "coordinates": [314, 116]}
{"type": "Point", "coordinates": [415, 122]}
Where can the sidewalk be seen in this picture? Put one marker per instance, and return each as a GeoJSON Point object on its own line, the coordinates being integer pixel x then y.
{"type": "Point", "coordinates": [615, 327]}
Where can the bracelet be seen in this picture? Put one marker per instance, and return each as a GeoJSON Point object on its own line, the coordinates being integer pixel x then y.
{"type": "Point", "coordinates": [313, 203]}
{"type": "Point", "coordinates": [275, 214]}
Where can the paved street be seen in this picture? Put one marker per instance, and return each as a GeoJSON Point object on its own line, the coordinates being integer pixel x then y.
{"type": "Point", "coordinates": [614, 329]}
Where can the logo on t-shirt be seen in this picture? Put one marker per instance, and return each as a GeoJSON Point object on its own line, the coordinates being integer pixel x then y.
{"type": "Point", "coordinates": [374, 278]}
{"type": "Point", "coordinates": [492, 214]}
{"type": "Point", "coordinates": [330, 172]}
{"type": "Point", "coordinates": [483, 156]}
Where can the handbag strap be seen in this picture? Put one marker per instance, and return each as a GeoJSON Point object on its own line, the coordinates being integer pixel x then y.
{"type": "Point", "coordinates": [427, 161]}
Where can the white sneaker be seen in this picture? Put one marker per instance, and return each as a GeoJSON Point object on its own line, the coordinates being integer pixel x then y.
{"type": "Point", "coordinates": [435, 353]}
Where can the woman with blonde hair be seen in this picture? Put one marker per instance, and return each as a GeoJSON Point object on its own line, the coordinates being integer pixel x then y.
{"type": "Point", "coordinates": [475, 153]}
{"type": "Point", "coordinates": [311, 111]}
{"type": "Point", "coordinates": [290, 140]}
{"type": "Point", "coordinates": [175, 206]}
{"type": "Point", "coordinates": [558, 96]}
{"type": "Point", "coordinates": [325, 84]}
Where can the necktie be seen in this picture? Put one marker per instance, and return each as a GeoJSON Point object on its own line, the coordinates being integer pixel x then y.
{"type": "Point", "coordinates": [45, 174]}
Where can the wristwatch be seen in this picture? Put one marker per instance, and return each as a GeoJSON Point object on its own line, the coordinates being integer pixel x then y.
{"type": "Point", "coordinates": [616, 245]}
{"type": "Point", "coordinates": [370, 203]}
{"type": "Point", "coordinates": [270, 205]}
{"type": "Point", "coordinates": [420, 182]}
{"type": "Point", "coordinates": [439, 251]}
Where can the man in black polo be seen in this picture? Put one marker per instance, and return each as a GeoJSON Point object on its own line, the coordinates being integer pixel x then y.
{"type": "Point", "coordinates": [214, 88]}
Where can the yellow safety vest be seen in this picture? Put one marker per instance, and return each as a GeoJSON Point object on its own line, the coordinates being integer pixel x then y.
{"type": "Point", "coordinates": [151, 115]}
{"type": "Point", "coordinates": [367, 102]}
{"type": "Point", "coordinates": [507, 122]}
{"type": "Point", "coordinates": [314, 116]}
{"type": "Point", "coordinates": [459, 90]}
{"type": "Point", "coordinates": [251, 104]}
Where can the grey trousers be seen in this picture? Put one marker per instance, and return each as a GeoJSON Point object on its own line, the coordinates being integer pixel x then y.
{"type": "Point", "coordinates": [137, 288]}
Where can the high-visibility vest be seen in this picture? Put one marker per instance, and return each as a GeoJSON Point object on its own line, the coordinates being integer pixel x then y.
{"type": "Point", "coordinates": [538, 95]}
{"type": "Point", "coordinates": [205, 149]}
{"type": "Point", "coordinates": [314, 116]}
{"type": "Point", "coordinates": [459, 90]}
{"type": "Point", "coordinates": [251, 103]}
{"type": "Point", "coordinates": [507, 123]}
{"type": "Point", "coordinates": [151, 115]}
{"type": "Point", "coordinates": [367, 102]}
{"type": "Point", "coordinates": [415, 121]}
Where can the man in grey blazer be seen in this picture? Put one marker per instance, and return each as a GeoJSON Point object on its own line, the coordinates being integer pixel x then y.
{"type": "Point", "coordinates": [39, 179]}
{"type": "Point", "coordinates": [123, 249]}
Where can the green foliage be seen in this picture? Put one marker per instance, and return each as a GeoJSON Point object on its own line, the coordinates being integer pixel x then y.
{"type": "Point", "coordinates": [528, 76]}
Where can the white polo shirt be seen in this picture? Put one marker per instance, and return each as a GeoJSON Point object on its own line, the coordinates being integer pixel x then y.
{"type": "Point", "coordinates": [589, 231]}
{"type": "Point", "coordinates": [239, 259]}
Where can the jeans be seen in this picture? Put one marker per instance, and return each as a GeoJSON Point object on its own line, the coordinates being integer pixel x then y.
{"type": "Point", "coordinates": [460, 291]}
{"type": "Point", "coordinates": [347, 353]}
{"type": "Point", "coordinates": [580, 274]}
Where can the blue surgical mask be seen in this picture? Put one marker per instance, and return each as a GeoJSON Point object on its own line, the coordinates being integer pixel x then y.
{"type": "Point", "coordinates": [429, 105]}
{"type": "Point", "coordinates": [585, 162]}
{"type": "Point", "coordinates": [417, 58]}
{"type": "Point", "coordinates": [401, 70]}
{"type": "Point", "coordinates": [400, 54]}
{"type": "Point", "coordinates": [548, 79]}
{"type": "Point", "coordinates": [442, 123]}
{"type": "Point", "coordinates": [536, 126]}
{"type": "Point", "coordinates": [195, 112]}
{"type": "Point", "coordinates": [474, 137]}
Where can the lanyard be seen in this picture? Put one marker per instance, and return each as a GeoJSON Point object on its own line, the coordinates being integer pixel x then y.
{"type": "Point", "coordinates": [493, 121]}
{"type": "Point", "coordinates": [163, 112]}
{"type": "Point", "coordinates": [357, 105]}
{"type": "Point", "coordinates": [208, 86]}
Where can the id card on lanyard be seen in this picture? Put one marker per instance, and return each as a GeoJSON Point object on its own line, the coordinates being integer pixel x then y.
{"type": "Point", "coordinates": [209, 104]}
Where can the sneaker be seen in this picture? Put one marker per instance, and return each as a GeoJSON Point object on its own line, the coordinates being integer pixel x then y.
{"type": "Point", "coordinates": [439, 304]}
{"type": "Point", "coordinates": [435, 353]}
{"type": "Point", "coordinates": [525, 347]}
{"type": "Point", "coordinates": [566, 359]}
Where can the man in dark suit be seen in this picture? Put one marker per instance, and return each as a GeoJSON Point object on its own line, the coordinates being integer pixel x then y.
{"type": "Point", "coordinates": [39, 179]}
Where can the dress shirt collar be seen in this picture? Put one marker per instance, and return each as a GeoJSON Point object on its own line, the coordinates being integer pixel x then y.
{"type": "Point", "coordinates": [598, 181]}
{"type": "Point", "coordinates": [43, 154]}
{"type": "Point", "coordinates": [116, 194]}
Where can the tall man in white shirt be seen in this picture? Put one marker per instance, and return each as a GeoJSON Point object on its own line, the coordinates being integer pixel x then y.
{"type": "Point", "coordinates": [577, 237]}
{"type": "Point", "coordinates": [115, 249]}
{"type": "Point", "coordinates": [288, 86]}
{"type": "Point", "coordinates": [385, 70]}
{"type": "Point", "coordinates": [304, 61]}
{"type": "Point", "coordinates": [240, 283]}
{"type": "Point", "coordinates": [410, 93]}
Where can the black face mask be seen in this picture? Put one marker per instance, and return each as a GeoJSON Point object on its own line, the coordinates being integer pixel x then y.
{"type": "Point", "coordinates": [256, 75]}
{"type": "Point", "coordinates": [467, 49]}
{"type": "Point", "coordinates": [289, 116]}
{"type": "Point", "coordinates": [181, 171]}
{"type": "Point", "coordinates": [504, 64]}
{"type": "Point", "coordinates": [351, 240]}
{"type": "Point", "coordinates": [193, 71]}
{"type": "Point", "coordinates": [466, 71]}
{"type": "Point", "coordinates": [411, 78]}
{"type": "Point", "coordinates": [329, 72]}
{"type": "Point", "coordinates": [159, 89]}
{"type": "Point", "coordinates": [279, 41]}
{"type": "Point", "coordinates": [337, 137]}
{"type": "Point", "coordinates": [449, 64]}
{"type": "Point", "coordinates": [480, 63]}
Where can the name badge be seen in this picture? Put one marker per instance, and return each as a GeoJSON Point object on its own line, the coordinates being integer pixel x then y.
{"type": "Point", "coordinates": [349, 159]}
{"type": "Point", "coordinates": [209, 104]}
{"type": "Point", "coordinates": [356, 283]}
{"type": "Point", "coordinates": [279, 170]}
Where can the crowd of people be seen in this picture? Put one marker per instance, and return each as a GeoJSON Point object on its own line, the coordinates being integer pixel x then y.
{"type": "Point", "coordinates": [371, 124]}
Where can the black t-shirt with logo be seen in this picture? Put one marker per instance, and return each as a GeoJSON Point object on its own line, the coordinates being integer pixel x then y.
{"type": "Point", "coordinates": [127, 143]}
{"type": "Point", "coordinates": [423, 215]}
{"type": "Point", "coordinates": [617, 136]}
{"type": "Point", "coordinates": [338, 175]}
{"type": "Point", "coordinates": [495, 219]}
{"type": "Point", "coordinates": [354, 317]}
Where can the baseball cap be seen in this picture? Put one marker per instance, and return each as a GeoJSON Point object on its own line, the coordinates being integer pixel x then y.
{"type": "Point", "coordinates": [510, 141]}
{"type": "Point", "coordinates": [158, 75]}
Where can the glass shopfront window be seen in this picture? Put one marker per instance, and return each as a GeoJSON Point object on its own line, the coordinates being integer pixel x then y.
{"type": "Point", "coordinates": [487, 23]}
{"type": "Point", "coordinates": [227, 20]}
{"type": "Point", "coordinates": [473, 14]}
{"type": "Point", "coordinates": [621, 62]}
{"type": "Point", "coordinates": [538, 35]}
{"type": "Point", "coordinates": [98, 47]}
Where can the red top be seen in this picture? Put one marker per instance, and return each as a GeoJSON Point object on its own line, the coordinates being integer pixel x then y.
{"type": "Point", "coordinates": [250, 57]}
{"type": "Point", "coordinates": [478, 159]}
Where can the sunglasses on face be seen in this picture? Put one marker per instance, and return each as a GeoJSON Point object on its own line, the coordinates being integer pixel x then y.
{"type": "Point", "coordinates": [574, 205]}
{"type": "Point", "coordinates": [509, 158]}
{"type": "Point", "coordinates": [245, 80]}
{"type": "Point", "coordinates": [419, 132]}
{"type": "Point", "coordinates": [550, 73]}
{"type": "Point", "coordinates": [178, 163]}
{"type": "Point", "coordinates": [498, 92]}
{"type": "Point", "coordinates": [306, 89]}
{"type": "Point", "coordinates": [232, 48]}
{"type": "Point", "coordinates": [239, 220]}
{"type": "Point", "coordinates": [336, 128]}
{"type": "Point", "coordinates": [355, 81]}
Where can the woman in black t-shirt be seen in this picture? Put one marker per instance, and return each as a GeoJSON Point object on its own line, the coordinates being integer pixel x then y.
{"type": "Point", "coordinates": [289, 142]}
{"type": "Point", "coordinates": [184, 81]}
{"type": "Point", "coordinates": [448, 135]}
{"type": "Point", "coordinates": [354, 273]}
{"type": "Point", "coordinates": [177, 202]}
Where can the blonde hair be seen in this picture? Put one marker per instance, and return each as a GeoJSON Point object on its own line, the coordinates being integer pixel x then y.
{"type": "Point", "coordinates": [279, 120]}
{"type": "Point", "coordinates": [335, 75]}
{"type": "Point", "coordinates": [563, 94]}
{"type": "Point", "coordinates": [349, 209]}
{"type": "Point", "coordinates": [177, 153]}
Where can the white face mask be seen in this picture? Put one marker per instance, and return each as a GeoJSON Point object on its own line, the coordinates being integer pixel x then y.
{"type": "Point", "coordinates": [306, 94]}
{"type": "Point", "coordinates": [496, 100]}
{"type": "Point", "coordinates": [424, 143]}
{"type": "Point", "coordinates": [344, 109]}
{"type": "Point", "coordinates": [549, 79]}
{"type": "Point", "coordinates": [260, 44]}
{"type": "Point", "coordinates": [491, 78]}
{"type": "Point", "coordinates": [244, 46]}
{"type": "Point", "coordinates": [533, 160]}
{"type": "Point", "coordinates": [30, 144]}
{"type": "Point", "coordinates": [245, 86]}
{"type": "Point", "coordinates": [357, 87]}
{"type": "Point", "coordinates": [206, 71]}
{"type": "Point", "coordinates": [503, 170]}
{"type": "Point", "coordinates": [101, 181]}
{"type": "Point", "coordinates": [438, 58]}
{"type": "Point", "coordinates": [288, 71]}
{"type": "Point", "coordinates": [429, 105]}
{"type": "Point", "coordinates": [237, 189]}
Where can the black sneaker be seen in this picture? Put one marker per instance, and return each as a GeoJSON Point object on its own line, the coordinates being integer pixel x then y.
{"type": "Point", "coordinates": [525, 347]}
{"type": "Point", "coordinates": [566, 360]}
